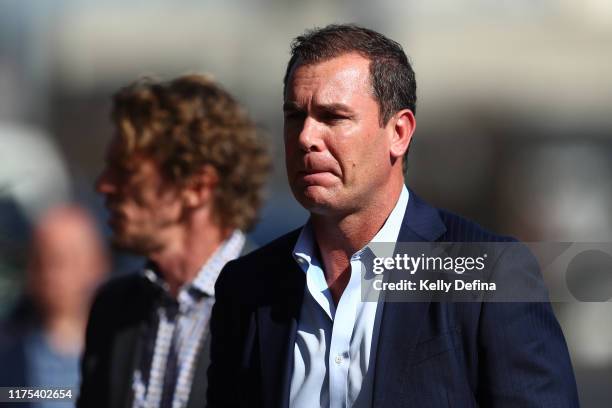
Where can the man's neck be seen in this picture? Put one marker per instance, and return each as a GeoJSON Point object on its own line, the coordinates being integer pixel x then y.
{"type": "Point", "coordinates": [180, 262]}
{"type": "Point", "coordinates": [339, 238]}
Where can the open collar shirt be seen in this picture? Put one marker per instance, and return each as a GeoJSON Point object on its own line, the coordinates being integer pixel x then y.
{"type": "Point", "coordinates": [164, 374]}
{"type": "Point", "coordinates": [335, 346]}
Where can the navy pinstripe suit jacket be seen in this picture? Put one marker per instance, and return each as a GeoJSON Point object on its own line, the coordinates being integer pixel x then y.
{"type": "Point", "coordinates": [430, 354]}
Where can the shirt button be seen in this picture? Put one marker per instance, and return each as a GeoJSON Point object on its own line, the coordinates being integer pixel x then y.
{"type": "Point", "coordinates": [338, 359]}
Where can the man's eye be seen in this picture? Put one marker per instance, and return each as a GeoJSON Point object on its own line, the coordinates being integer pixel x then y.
{"type": "Point", "coordinates": [294, 115]}
{"type": "Point", "coordinates": [333, 117]}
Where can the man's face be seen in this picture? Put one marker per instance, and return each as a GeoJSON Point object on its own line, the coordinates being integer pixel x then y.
{"type": "Point", "coordinates": [336, 153]}
{"type": "Point", "coordinates": [145, 209]}
{"type": "Point", "coordinates": [67, 261]}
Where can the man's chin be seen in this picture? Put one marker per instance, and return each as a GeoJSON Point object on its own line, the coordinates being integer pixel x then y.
{"type": "Point", "coordinates": [317, 204]}
{"type": "Point", "coordinates": [326, 204]}
{"type": "Point", "coordinates": [136, 245]}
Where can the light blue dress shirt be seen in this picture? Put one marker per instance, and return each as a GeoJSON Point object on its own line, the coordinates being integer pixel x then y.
{"type": "Point", "coordinates": [335, 346]}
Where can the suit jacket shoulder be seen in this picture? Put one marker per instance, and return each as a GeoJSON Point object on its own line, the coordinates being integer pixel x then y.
{"type": "Point", "coordinates": [250, 276]}
{"type": "Point", "coordinates": [120, 292]}
{"type": "Point", "coordinates": [459, 228]}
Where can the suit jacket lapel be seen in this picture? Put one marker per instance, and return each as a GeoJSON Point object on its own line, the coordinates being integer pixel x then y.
{"type": "Point", "coordinates": [277, 328]}
{"type": "Point", "coordinates": [123, 359]}
{"type": "Point", "coordinates": [401, 321]}
{"type": "Point", "coordinates": [421, 223]}
{"type": "Point", "coordinates": [126, 345]}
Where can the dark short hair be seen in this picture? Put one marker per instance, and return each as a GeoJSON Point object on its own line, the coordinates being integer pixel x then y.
{"type": "Point", "coordinates": [391, 75]}
{"type": "Point", "coordinates": [187, 123]}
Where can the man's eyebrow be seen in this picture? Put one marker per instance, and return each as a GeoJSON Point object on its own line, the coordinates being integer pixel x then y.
{"type": "Point", "coordinates": [326, 107]}
{"type": "Point", "coordinates": [334, 107]}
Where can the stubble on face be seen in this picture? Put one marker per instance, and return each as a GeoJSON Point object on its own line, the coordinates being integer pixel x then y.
{"type": "Point", "coordinates": [142, 207]}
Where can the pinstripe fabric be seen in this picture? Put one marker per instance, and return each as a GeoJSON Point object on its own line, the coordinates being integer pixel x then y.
{"type": "Point", "coordinates": [179, 334]}
{"type": "Point", "coordinates": [429, 354]}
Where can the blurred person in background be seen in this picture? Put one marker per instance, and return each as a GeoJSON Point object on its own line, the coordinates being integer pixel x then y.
{"type": "Point", "coordinates": [42, 340]}
{"type": "Point", "coordinates": [183, 182]}
{"type": "Point", "coordinates": [28, 188]}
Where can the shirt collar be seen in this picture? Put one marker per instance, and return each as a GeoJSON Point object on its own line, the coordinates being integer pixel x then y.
{"type": "Point", "coordinates": [204, 281]}
{"type": "Point", "coordinates": [304, 251]}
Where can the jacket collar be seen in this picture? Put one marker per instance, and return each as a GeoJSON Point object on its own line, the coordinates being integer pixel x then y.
{"type": "Point", "coordinates": [402, 321]}
{"type": "Point", "coordinates": [421, 223]}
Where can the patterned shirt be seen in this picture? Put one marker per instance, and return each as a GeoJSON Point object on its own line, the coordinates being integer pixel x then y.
{"type": "Point", "coordinates": [164, 374]}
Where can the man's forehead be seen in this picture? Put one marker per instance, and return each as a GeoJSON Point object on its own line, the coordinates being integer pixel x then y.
{"type": "Point", "coordinates": [330, 79]}
{"type": "Point", "coordinates": [352, 58]}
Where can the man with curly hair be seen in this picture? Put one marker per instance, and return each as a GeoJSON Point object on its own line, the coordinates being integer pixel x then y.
{"type": "Point", "coordinates": [183, 181]}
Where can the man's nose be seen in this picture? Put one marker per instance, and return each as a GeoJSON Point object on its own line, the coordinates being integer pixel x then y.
{"type": "Point", "coordinates": [311, 136]}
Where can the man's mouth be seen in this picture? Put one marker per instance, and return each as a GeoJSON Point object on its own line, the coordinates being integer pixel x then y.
{"type": "Point", "coordinates": [316, 177]}
{"type": "Point", "coordinates": [313, 171]}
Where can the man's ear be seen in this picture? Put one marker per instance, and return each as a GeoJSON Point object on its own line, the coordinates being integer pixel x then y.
{"type": "Point", "coordinates": [200, 187]}
{"type": "Point", "coordinates": [403, 125]}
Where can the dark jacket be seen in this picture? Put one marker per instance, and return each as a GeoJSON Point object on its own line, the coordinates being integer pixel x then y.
{"type": "Point", "coordinates": [122, 310]}
{"type": "Point", "coordinates": [429, 354]}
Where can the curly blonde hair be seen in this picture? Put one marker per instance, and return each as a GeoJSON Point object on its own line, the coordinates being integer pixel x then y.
{"type": "Point", "coordinates": [190, 122]}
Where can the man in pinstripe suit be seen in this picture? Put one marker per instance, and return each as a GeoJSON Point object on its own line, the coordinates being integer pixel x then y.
{"type": "Point", "coordinates": [289, 328]}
